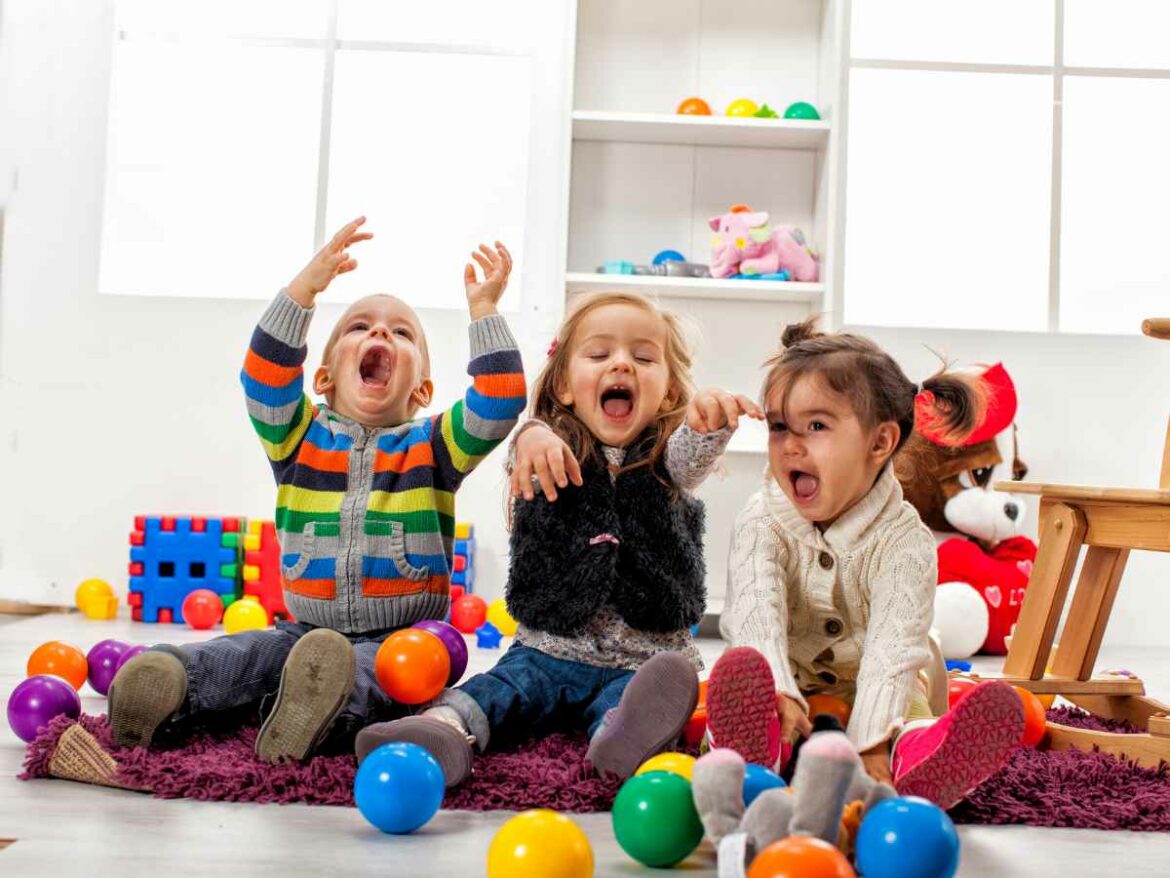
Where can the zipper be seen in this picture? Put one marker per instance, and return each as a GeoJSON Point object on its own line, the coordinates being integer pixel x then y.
{"type": "Point", "coordinates": [352, 526]}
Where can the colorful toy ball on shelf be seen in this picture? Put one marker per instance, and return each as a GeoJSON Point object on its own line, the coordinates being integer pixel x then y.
{"type": "Point", "coordinates": [35, 702]}
{"type": "Point", "coordinates": [540, 843]}
{"type": "Point", "coordinates": [202, 609]}
{"type": "Point", "coordinates": [453, 641]}
{"type": "Point", "coordinates": [1035, 718]}
{"type": "Point", "coordinates": [136, 649]}
{"type": "Point", "coordinates": [398, 787]}
{"type": "Point", "coordinates": [800, 856]}
{"type": "Point", "coordinates": [245, 614]}
{"type": "Point", "coordinates": [756, 779]}
{"type": "Point", "coordinates": [103, 662]}
{"type": "Point", "coordinates": [907, 837]}
{"type": "Point", "coordinates": [468, 613]}
{"type": "Point", "coordinates": [742, 107]}
{"type": "Point", "coordinates": [682, 764]}
{"type": "Point", "coordinates": [654, 819]}
{"type": "Point", "coordinates": [765, 112]}
{"type": "Point", "coordinates": [488, 636]}
{"type": "Point", "coordinates": [60, 659]}
{"type": "Point", "coordinates": [668, 256]}
{"type": "Point", "coordinates": [96, 599]}
{"type": "Point", "coordinates": [499, 616]}
{"type": "Point", "coordinates": [694, 107]}
{"type": "Point", "coordinates": [412, 666]}
{"type": "Point", "coordinates": [801, 110]}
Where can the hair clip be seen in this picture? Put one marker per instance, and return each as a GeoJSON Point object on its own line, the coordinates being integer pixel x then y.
{"type": "Point", "coordinates": [552, 348]}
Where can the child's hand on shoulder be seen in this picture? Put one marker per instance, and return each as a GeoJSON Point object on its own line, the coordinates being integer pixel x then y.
{"type": "Point", "coordinates": [876, 761]}
{"type": "Point", "coordinates": [331, 260]}
{"type": "Point", "coordinates": [542, 457]}
{"type": "Point", "coordinates": [482, 296]}
{"type": "Point", "coordinates": [713, 409]}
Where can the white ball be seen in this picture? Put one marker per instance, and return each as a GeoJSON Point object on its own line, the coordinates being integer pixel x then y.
{"type": "Point", "coordinates": [960, 619]}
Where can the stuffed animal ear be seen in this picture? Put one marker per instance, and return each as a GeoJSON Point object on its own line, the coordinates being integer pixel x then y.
{"type": "Point", "coordinates": [714, 222]}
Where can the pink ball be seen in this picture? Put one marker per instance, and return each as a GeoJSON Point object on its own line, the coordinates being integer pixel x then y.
{"type": "Point", "coordinates": [103, 663]}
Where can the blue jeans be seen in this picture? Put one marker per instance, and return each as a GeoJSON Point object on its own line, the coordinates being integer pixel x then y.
{"type": "Point", "coordinates": [529, 691]}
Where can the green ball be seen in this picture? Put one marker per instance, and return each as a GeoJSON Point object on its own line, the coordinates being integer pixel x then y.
{"type": "Point", "coordinates": [801, 110]}
{"type": "Point", "coordinates": [655, 820]}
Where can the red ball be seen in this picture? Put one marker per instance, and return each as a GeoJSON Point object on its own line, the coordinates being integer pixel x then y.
{"type": "Point", "coordinates": [1035, 718]}
{"type": "Point", "coordinates": [468, 613]}
{"type": "Point", "coordinates": [412, 666]}
{"type": "Point", "coordinates": [957, 689]}
{"type": "Point", "coordinates": [202, 609]}
{"type": "Point", "coordinates": [59, 659]}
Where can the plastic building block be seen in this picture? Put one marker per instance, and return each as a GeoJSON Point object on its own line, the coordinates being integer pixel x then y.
{"type": "Point", "coordinates": [463, 557]}
{"type": "Point", "coordinates": [487, 636]}
{"type": "Point", "coordinates": [172, 556]}
{"type": "Point", "coordinates": [262, 577]}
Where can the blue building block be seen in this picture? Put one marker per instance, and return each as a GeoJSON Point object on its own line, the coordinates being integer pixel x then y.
{"type": "Point", "coordinates": [172, 557]}
{"type": "Point", "coordinates": [487, 636]}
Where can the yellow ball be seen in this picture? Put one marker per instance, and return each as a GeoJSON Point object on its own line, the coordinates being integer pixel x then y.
{"type": "Point", "coordinates": [96, 599]}
{"type": "Point", "coordinates": [244, 615]}
{"type": "Point", "coordinates": [676, 763]}
{"type": "Point", "coordinates": [498, 615]}
{"type": "Point", "coordinates": [540, 844]}
{"type": "Point", "coordinates": [742, 107]}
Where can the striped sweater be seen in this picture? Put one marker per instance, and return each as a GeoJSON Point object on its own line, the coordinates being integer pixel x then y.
{"type": "Point", "coordinates": [366, 516]}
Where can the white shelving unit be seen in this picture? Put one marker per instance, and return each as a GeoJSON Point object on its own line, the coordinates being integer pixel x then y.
{"type": "Point", "coordinates": [644, 179]}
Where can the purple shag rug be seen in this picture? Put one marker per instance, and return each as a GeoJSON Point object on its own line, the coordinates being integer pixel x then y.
{"type": "Point", "coordinates": [1037, 787]}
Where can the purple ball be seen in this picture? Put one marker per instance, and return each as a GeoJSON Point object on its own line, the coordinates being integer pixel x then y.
{"type": "Point", "coordinates": [103, 663]}
{"type": "Point", "coordinates": [38, 700]}
{"type": "Point", "coordinates": [453, 640]}
{"type": "Point", "coordinates": [136, 649]}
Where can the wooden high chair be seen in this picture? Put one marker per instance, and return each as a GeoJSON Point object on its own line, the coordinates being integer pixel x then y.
{"type": "Point", "coordinates": [1111, 522]}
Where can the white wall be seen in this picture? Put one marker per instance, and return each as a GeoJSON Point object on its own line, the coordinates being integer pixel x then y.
{"type": "Point", "coordinates": [115, 406]}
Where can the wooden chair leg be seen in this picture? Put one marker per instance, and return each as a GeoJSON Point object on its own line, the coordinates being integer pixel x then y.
{"type": "Point", "coordinates": [1062, 529]}
{"type": "Point", "coordinates": [1089, 614]}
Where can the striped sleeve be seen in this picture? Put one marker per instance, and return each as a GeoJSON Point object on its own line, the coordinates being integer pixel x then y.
{"type": "Point", "coordinates": [273, 379]}
{"type": "Point", "coordinates": [465, 433]}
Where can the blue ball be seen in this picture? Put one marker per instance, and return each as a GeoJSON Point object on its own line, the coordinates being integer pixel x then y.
{"type": "Point", "coordinates": [669, 256]}
{"type": "Point", "coordinates": [399, 787]}
{"type": "Point", "coordinates": [907, 837]}
{"type": "Point", "coordinates": [756, 779]}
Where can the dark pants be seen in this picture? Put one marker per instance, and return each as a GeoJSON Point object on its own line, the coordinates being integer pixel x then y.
{"type": "Point", "coordinates": [528, 691]}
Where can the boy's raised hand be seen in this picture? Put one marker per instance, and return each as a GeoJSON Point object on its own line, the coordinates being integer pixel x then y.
{"type": "Point", "coordinates": [713, 409]}
{"type": "Point", "coordinates": [331, 260]}
{"type": "Point", "coordinates": [497, 265]}
{"type": "Point", "coordinates": [543, 458]}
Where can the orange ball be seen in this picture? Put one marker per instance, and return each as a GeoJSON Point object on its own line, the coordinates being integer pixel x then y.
{"type": "Point", "coordinates": [694, 107]}
{"type": "Point", "coordinates": [61, 659]}
{"type": "Point", "coordinates": [800, 856]}
{"type": "Point", "coordinates": [829, 704]}
{"type": "Point", "coordinates": [1035, 719]}
{"type": "Point", "coordinates": [412, 666]}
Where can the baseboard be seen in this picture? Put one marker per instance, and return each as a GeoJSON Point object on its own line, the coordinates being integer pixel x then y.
{"type": "Point", "coordinates": [24, 608]}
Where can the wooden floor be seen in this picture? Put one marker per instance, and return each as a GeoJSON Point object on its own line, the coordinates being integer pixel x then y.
{"type": "Point", "coordinates": [60, 828]}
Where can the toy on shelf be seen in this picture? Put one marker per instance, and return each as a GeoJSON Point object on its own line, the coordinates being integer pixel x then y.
{"type": "Point", "coordinates": [96, 599]}
{"type": "Point", "coordinates": [667, 256]}
{"type": "Point", "coordinates": [35, 702]}
{"type": "Point", "coordinates": [667, 268]}
{"type": "Point", "coordinates": [103, 661]}
{"type": "Point", "coordinates": [245, 614]}
{"type": "Point", "coordinates": [488, 636]}
{"type": "Point", "coordinates": [59, 659]}
{"type": "Point", "coordinates": [262, 576]}
{"type": "Point", "coordinates": [765, 112]}
{"type": "Point", "coordinates": [453, 641]}
{"type": "Point", "coordinates": [172, 556]}
{"type": "Point", "coordinates": [742, 107]}
{"type": "Point", "coordinates": [654, 819]}
{"type": "Point", "coordinates": [694, 107]}
{"type": "Point", "coordinates": [398, 787]}
{"type": "Point", "coordinates": [744, 243]}
{"type": "Point", "coordinates": [463, 557]}
{"type": "Point", "coordinates": [540, 842]}
{"type": "Point", "coordinates": [801, 110]}
{"type": "Point", "coordinates": [202, 609]}
{"type": "Point", "coordinates": [412, 665]}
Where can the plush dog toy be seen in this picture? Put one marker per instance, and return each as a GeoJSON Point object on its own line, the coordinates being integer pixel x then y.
{"type": "Point", "coordinates": [978, 528]}
{"type": "Point", "coordinates": [745, 244]}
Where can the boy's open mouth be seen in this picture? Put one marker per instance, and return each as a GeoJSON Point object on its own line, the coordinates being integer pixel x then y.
{"type": "Point", "coordinates": [375, 367]}
{"type": "Point", "coordinates": [617, 402]}
{"type": "Point", "coordinates": [804, 485]}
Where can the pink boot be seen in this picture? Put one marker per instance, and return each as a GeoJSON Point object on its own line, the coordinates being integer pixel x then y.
{"type": "Point", "coordinates": [741, 707]}
{"type": "Point", "coordinates": [946, 760]}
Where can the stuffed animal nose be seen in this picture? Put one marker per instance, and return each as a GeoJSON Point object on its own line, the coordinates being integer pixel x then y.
{"type": "Point", "coordinates": [1011, 510]}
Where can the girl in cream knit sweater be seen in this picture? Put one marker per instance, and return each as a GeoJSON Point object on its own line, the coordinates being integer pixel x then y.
{"type": "Point", "coordinates": [832, 577]}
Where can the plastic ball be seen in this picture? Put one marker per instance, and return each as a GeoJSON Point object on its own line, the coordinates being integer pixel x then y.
{"type": "Point", "coordinates": [60, 659]}
{"type": "Point", "coordinates": [801, 110]}
{"type": "Point", "coordinates": [540, 843]}
{"type": "Point", "coordinates": [38, 700]}
{"type": "Point", "coordinates": [756, 779]}
{"type": "Point", "coordinates": [960, 618]}
{"type": "Point", "coordinates": [1035, 718]}
{"type": "Point", "coordinates": [907, 837]}
{"type": "Point", "coordinates": [245, 615]}
{"type": "Point", "coordinates": [136, 649]}
{"type": "Point", "coordinates": [398, 787]}
{"type": "Point", "coordinates": [498, 615]}
{"type": "Point", "coordinates": [659, 258]}
{"type": "Point", "coordinates": [102, 661]}
{"type": "Point", "coordinates": [830, 704]}
{"type": "Point", "coordinates": [957, 689]}
{"type": "Point", "coordinates": [654, 819]}
{"type": "Point", "coordinates": [468, 613]}
{"type": "Point", "coordinates": [412, 666]}
{"type": "Point", "coordinates": [742, 107]}
{"type": "Point", "coordinates": [682, 764]}
{"type": "Point", "coordinates": [453, 641]}
{"type": "Point", "coordinates": [694, 107]}
{"type": "Point", "coordinates": [800, 856]}
{"type": "Point", "coordinates": [96, 599]}
{"type": "Point", "coordinates": [203, 609]}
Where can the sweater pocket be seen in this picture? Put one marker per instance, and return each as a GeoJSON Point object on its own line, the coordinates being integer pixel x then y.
{"type": "Point", "coordinates": [386, 549]}
{"type": "Point", "coordinates": [298, 549]}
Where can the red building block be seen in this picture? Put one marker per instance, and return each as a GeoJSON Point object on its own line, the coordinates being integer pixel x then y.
{"type": "Point", "coordinates": [262, 577]}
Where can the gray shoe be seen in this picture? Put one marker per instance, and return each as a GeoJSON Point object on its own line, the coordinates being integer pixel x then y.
{"type": "Point", "coordinates": [442, 740]}
{"type": "Point", "coordinates": [315, 686]}
{"type": "Point", "coordinates": [148, 691]}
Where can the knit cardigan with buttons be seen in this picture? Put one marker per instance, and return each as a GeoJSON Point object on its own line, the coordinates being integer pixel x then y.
{"type": "Point", "coordinates": [846, 611]}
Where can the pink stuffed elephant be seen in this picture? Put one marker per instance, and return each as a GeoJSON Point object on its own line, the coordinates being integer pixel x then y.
{"type": "Point", "coordinates": [744, 243]}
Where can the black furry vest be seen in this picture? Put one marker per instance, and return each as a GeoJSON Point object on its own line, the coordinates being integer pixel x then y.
{"type": "Point", "coordinates": [632, 542]}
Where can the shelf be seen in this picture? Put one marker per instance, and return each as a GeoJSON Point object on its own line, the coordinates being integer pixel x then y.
{"type": "Point", "coordinates": [696, 287]}
{"type": "Point", "coordinates": [700, 130]}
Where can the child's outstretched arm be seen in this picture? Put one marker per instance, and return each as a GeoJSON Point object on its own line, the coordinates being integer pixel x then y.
{"type": "Point", "coordinates": [465, 433]}
{"type": "Point", "coordinates": [696, 446]}
{"type": "Point", "coordinates": [273, 373]}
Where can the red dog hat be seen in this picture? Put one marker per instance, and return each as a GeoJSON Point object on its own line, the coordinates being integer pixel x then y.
{"type": "Point", "coordinates": [1001, 409]}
